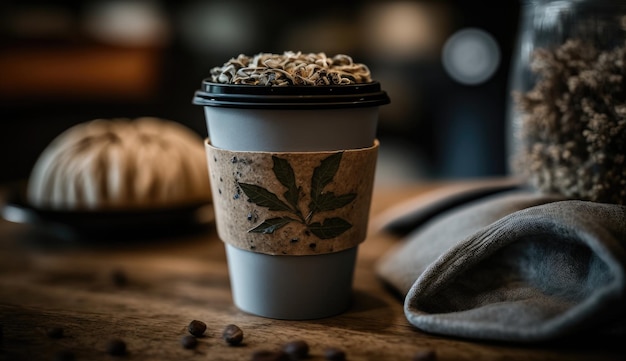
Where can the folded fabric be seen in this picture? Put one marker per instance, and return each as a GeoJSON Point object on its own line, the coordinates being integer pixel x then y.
{"type": "Point", "coordinates": [514, 266]}
{"type": "Point", "coordinates": [406, 216]}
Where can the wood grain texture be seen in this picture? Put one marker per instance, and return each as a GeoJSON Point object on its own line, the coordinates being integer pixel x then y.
{"type": "Point", "coordinates": [46, 282]}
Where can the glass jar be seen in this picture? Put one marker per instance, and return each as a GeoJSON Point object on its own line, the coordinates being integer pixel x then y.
{"type": "Point", "coordinates": [567, 111]}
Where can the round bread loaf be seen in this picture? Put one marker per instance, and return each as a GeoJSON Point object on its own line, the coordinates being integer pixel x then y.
{"type": "Point", "coordinates": [107, 164]}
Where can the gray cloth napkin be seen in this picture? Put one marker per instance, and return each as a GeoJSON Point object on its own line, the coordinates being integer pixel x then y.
{"type": "Point", "coordinates": [515, 266]}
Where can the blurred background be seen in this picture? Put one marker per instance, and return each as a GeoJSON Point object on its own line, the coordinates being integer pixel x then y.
{"type": "Point", "coordinates": [443, 63]}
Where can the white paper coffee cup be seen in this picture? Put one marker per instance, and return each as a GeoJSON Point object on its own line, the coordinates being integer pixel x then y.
{"type": "Point", "coordinates": [301, 127]}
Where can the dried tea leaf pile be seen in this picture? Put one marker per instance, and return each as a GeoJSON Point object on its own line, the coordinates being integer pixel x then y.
{"type": "Point", "coordinates": [291, 68]}
{"type": "Point", "coordinates": [573, 127]}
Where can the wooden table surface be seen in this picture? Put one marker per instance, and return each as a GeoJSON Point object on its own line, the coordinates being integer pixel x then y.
{"type": "Point", "coordinates": [47, 282]}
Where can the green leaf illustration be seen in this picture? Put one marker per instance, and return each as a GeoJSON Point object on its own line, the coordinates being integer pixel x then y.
{"type": "Point", "coordinates": [285, 175]}
{"type": "Point", "coordinates": [323, 174]}
{"type": "Point", "coordinates": [329, 201]}
{"type": "Point", "coordinates": [330, 228]}
{"type": "Point", "coordinates": [270, 225]}
{"type": "Point", "coordinates": [263, 197]}
{"type": "Point", "coordinates": [319, 202]}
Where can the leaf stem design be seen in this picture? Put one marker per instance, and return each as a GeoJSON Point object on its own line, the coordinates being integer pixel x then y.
{"type": "Point", "coordinates": [320, 201]}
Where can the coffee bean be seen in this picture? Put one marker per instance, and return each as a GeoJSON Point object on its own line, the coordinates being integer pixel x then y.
{"type": "Point", "coordinates": [334, 354]}
{"type": "Point", "coordinates": [116, 347]}
{"type": "Point", "coordinates": [54, 332]}
{"type": "Point", "coordinates": [197, 328]}
{"type": "Point", "coordinates": [64, 355]}
{"type": "Point", "coordinates": [425, 355]}
{"type": "Point", "coordinates": [189, 341]}
{"type": "Point", "coordinates": [267, 355]}
{"type": "Point", "coordinates": [297, 349]}
{"type": "Point", "coordinates": [232, 334]}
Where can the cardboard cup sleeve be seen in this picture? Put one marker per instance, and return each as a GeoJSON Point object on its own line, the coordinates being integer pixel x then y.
{"type": "Point", "coordinates": [292, 203]}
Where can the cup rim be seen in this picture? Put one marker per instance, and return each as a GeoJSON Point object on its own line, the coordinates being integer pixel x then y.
{"type": "Point", "coordinates": [290, 97]}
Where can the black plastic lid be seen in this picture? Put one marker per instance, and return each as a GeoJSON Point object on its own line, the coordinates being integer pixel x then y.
{"type": "Point", "coordinates": [290, 97]}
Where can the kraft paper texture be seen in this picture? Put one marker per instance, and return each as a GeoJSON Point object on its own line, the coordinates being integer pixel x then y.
{"type": "Point", "coordinates": [264, 201]}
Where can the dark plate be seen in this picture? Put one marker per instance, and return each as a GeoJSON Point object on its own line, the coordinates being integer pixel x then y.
{"type": "Point", "coordinates": [110, 225]}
